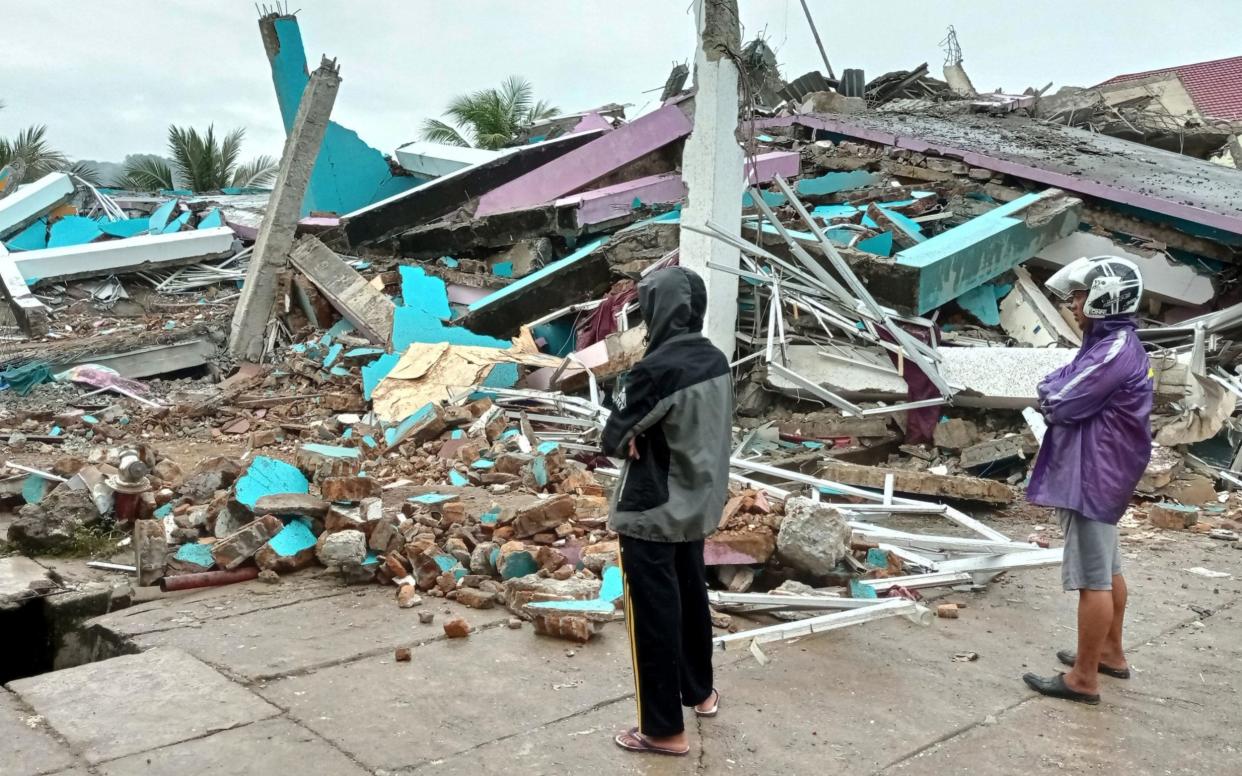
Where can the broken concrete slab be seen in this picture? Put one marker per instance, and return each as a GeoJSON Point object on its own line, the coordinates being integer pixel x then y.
{"type": "Point", "coordinates": [576, 276]}
{"type": "Point", "coordinates": [21, 578]}
{"type": "Point", "coordinates": [438, 197]}
{"type": "Point", "coordinates": [999, 451]}
{"type": "Point", "coordinates": [132, 254]}
{"type": "Point", "coordinates": [155, 359]}
{"type": "Point", "coordinates": [433, 160]}
{"type": "Point", "coordinates": [291, 505]}
{"type": "Point", "coordinates": [962, 258]}
{"type": "Point", "coordinates": [29, 747]}
{"type": "Point", "coordinates": [268, 746]}
{"type": "Point", "coordinates": [579, 168]}
{"type": "Point", "coordinates": [919, 483]}
{"type": "Point", "coordinates": [1163, 278]}
{"type": "Point", "coordinates": [291, 549]}
{"type": "Point", "coordinates": [238, 547]}
{"type": "Point", "coordinates": [33, 200]}
{"type": "Point", "coordinates": [153, 687]}
{"type": "Point", "coordinates": [813, 537]}
{"type": "Point", "coordinates": [583, 275]}
{"type": "Point", "coordinates": [1003, 378]}
{"type": "Point", "coordinates": [542, 662]}
{"type": "Point", "coordinates": [360, 303]}
{"type": "Point", "coordinates": [298, 637]}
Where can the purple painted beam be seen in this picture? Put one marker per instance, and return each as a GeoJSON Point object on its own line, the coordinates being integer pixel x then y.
{"type": "Point", "coordinates": [592, 121]}
{"type": "Point", "coordinates": [600, 205]}
{"type": "Point", "coordinates": [1116, 170]}
{"type": "Point", "coordinates": [787, 164]}
{"type": "Point", "coordinates": [578, 168]}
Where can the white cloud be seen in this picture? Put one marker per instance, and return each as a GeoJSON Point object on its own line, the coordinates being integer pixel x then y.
{"type": "Point", "coordinates": [108, 78]}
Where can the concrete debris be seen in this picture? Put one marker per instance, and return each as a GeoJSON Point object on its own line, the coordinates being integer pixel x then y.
{"type": "Point", "coordinates": [813, 538]}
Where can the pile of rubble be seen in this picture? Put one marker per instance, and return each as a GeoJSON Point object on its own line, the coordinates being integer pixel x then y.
{"type": "Point", "coordinates": [410, 392]}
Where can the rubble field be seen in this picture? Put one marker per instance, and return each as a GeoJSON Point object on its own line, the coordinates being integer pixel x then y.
{"type": "Point", "coordinates": [278, 451]}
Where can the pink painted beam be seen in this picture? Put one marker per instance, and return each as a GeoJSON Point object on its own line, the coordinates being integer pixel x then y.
{"type": "Point", "coordinates": [600, 205]}
{"type": "Point", "coordinates": [578, 168]}
{"type": "Point", "coordinates": [787, 164]}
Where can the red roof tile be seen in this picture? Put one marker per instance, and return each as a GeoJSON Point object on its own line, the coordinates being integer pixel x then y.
{"type": "Point", "coordinates": [1216, 86]}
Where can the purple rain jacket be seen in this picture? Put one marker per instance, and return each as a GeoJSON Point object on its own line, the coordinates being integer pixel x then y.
{"type": "Point", "coordinates": [1098, 410]}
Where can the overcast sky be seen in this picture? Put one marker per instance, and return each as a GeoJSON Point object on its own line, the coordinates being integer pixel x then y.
{"type": "Point", "coordinates": [108, 77]}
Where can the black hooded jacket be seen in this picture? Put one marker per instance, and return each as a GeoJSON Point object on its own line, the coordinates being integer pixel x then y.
{"type": "Point", "coordinates": [677, 406]}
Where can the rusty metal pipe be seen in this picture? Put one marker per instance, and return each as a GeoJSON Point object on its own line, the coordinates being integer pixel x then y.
{"type": "Point", "coordinates": [208, 579]}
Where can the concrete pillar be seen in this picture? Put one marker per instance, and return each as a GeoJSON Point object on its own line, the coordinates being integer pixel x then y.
{"type": "Point", "coordinates": [271, 250]}
{"type": "Point", "coordinates": [711, 167]}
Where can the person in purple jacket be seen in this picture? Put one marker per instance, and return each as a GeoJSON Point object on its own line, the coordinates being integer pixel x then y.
{"type": "Point", "coordinates": [1097, 445]}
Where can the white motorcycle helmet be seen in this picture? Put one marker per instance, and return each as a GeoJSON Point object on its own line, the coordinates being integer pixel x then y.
{"type": "Point", "coordinates": [1114, 285]}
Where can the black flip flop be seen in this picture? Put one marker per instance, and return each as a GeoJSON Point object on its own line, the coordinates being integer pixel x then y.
{"type": "Point", "coordinates": [1055, 687]}
{"type": "Point", "coordinates": [1067, 657]}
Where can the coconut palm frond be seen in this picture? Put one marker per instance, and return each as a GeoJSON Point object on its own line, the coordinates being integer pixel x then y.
{"type": "Point", "coordinates": [437, 131]}
{"type": "Point", "coordinates": [492, 118]}
{"type": "Point", "coordinates": [259, 171]}
{"type": "Point", "coordinates": [146, 174]}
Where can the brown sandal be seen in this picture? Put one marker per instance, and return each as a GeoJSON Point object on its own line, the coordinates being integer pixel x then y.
{"type": "Point", "coordinates": [633, 741]}
{"type": "Point", "coordinates": [715, 706]}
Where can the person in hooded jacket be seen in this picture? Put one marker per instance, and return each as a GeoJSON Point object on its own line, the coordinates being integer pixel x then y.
{"type": "Point", "coordinates": [1096, 448]}
{"type": "Point", "coordinates": [673, 426]}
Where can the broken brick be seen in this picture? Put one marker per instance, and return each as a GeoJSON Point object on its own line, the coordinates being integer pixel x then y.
{"type": "Point", "coordinates": [238, 547]}
{"type": "Point", "coordinates": [475, 598]}
{"type": "Point", "coordinates": [457, 628]}
{"type": "Point", "coordinates": [564, 625]}
{"type": "Point", "coordinates": [542, 515]}
{"type": "Point", "coordinates": [349, 489]}
{"type": "Point", "coordinates": [291, 505]}
{"type": "Point", "coordinates": [1173, 517]}
{"type": "Point", "coordinates": [402, 655]}
{"type": "Point", "coordinates": [408, 597]}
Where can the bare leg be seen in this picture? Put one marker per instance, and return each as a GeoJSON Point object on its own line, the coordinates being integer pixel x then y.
{"type": "Point", "coordinates": [1114, 654]}
{"type": "Point", "coordinates": [1095, 619]}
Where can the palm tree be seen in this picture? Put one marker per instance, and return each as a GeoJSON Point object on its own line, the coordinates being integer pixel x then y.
{"type": "Point", "coordinates": [29, 149]}
{"type": "Point", "coordinates": [200, 162]}
{"type": "Point", "coordinates": [489, 118]}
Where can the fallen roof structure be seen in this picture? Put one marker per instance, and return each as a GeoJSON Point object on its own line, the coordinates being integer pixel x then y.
{"type": "Point", "coordinates": [380, 220]}
{"type": "Point", "coordinates": [1192, 194]}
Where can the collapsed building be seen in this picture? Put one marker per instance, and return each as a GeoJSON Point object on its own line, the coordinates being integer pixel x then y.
{"type": "Point", "coordinates": [416, 354]}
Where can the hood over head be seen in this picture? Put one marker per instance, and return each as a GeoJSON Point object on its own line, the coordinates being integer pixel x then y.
{"type": "Point", "coordinates": [672, 301]}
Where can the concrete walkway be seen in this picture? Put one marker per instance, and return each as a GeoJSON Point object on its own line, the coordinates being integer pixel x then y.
{"type": "Point", "coordinates": [300, 678]}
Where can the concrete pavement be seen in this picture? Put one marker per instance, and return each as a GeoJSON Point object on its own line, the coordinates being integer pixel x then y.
{"type": "Point", "coordinates": [301, 677]}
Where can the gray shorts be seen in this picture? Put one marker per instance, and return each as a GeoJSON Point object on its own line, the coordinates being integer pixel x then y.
{"type": "Point", "coordinates": [1092, 552]}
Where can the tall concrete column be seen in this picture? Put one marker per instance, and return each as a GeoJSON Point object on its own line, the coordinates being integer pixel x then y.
{"type": "Point", "coordinates": [271, 250]}
{"type": "Point", "coordinates": [711, 166]}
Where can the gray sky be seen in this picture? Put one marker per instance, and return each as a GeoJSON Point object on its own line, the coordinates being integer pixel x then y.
{"type": "Point", "coordinates": [108, 77]}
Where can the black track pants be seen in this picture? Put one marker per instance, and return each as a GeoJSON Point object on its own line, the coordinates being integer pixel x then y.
{"type": "Point", "coordinates": [670, 629]}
